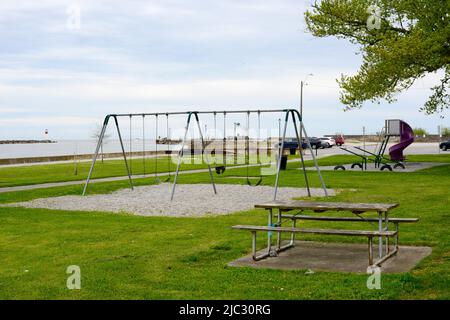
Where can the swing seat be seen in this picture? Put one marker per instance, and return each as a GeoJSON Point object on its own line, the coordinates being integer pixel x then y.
{"type": "Point", "coordinates": [220, 169]}
{"type": "Point", "coordinates": [256, 184]}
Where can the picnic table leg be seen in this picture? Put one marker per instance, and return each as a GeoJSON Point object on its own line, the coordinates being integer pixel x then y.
{"type": "Point", "coordinates": [386, 227]}
{"type": "Point", "coordinates": [279, 233]}
{"type": "Point", "coordinates": [396, 237]}
{"type": "Point", "coordinates": [380, 238]}
{"type": "Point", "coordinates": [269, 234]}
{"type": "Point", "coordinates": [370, 251]}
{"type": "Point", "coordinates": [294, 225]}
{"type": "Point", "coordinates": [254, 245]}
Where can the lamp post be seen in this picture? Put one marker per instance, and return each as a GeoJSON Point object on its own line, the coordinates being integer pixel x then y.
{"type": "Point", "coordinates": [303, 83]}
{"type": "Point", "coordinates": [279, 130]}
{"type": "Point", "coordinates": [364, 139]}
{"type": "Point", "coordinates": [236, 124]}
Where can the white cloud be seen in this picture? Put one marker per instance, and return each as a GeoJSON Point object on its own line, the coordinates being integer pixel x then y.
{"type": "Point", "coordinates": [139, 55]}
{"type": "Point", "coordinates": [5, 110]}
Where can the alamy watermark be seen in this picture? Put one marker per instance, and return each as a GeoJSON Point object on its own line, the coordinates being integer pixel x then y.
{"type": "Point", "coordinates": [374, 279]}
{"type": "Point", "coordinates": [244, 149]}
{"type": "Point", "coordinates": [74, 280]}
{"type": "Point", "coordinates": [374, 20]}
{"type": "Point", "coordinates": [73, 21]}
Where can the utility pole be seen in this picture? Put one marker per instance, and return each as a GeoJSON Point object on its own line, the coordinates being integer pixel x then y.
{"type": "Point", "coordinates": [303, 83]}
{"type": "Point", "coordinates": [301, 98]}
{"type": "Point", "coordinates": [364, 139]}
{"type": "Point", "coordinates": [75, 160]}
{"type": "Point", "coordinates": [440, 136]}
{"type": "Point", "coordinates": [279, 130]}
{"type": "Point", "coordinates": [236, 124]}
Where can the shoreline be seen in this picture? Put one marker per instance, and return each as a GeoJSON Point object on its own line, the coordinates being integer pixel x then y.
{"type": "Point", "coordinates": [26, 141]}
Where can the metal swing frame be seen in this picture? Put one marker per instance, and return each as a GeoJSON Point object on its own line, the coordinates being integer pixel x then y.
{"type": "Point", "coordinates": [195, 115]}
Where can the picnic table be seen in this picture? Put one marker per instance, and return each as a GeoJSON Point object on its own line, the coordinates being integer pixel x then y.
{"type": "Point", "coordinates": [359, 212]}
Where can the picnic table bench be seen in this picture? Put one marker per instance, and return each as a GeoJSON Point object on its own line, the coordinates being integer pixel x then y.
{"type": "Point", "coordinates": [358, 209]}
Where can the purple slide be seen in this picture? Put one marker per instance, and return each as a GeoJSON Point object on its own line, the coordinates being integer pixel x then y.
{"type": "Point", "coordinates": [406, 138]}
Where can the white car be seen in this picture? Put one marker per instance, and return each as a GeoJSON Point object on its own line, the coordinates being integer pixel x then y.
{"type": "Point", "coordinates": [327, 142]}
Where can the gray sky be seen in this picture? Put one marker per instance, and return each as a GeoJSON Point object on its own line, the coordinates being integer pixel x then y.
{"type": "Point", "coordinates": [146, 56]}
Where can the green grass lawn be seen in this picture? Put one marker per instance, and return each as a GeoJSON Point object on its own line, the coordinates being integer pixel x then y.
{"type": "Point", "coordinates": [37, 174]}
{"type": "Point", "coordinates": [48, 173]}
{"type": "Point", "coordinates": [132, 257]}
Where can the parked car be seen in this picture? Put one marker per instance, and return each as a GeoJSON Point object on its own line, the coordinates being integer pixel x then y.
{"type": "Point", "coordinates": [327, 142]}
{"type": "Point", "coordinates": [292, 144]}
{"type": "Point", "coordinates": [444, 146]}
{"type": "Point", "coordinates": [316, 143]}
{"type": "Point", "coordinates": [339, 140]}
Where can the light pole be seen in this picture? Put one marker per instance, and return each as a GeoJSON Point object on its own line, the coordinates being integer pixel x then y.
{"type": "Point", "coordinates": [364, 139]}
{"type": "Point", "coordinates": [236, 124]}
{"type": "Point", "coordinates": [279, 130]}
{"type": "Point", "coordinates": [303, 83]}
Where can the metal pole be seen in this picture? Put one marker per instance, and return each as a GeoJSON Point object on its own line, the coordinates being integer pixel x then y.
{"type": "Point", "coordinates": [236, 124]}
{"type": "Point", "coordinates": [131, 144]}
{"type": "Point", "coordinates": [280, 155]}
{"type": "Point", "coordinates": [269, 234]}
{"type": "Point", "coordinates": [97, 149]}
{"type": "Point", "coordinates": [302, 84]}
{"type": "Point", "coordinates": [440, 137]}
{"type": "Point", "coordinates": [143, 143]}
{"type": "Point", "coordinates": [301, 106]}
{"type": "Point", "coordinates": [380, 239]}
{"type": "Point", "coordinates": [301, 154]}
{"type": "Point", "coordinates": [123, 152]}
{"type": "Point", "coordinates": [169, 153]}
{"type": "Point", "coordinates": [247, 142]}
{"type": "Point", "coordinates": [180, 155]}
{"type": "Point", "coordinates": [215, 126]}
{"type": "Point", "coordinates": [103, 154]}
{"type": "Point", "coordinates": [364, 139]}
{"type": "Point", "coordinates": [258, 156]}
{"type": "Point", "coordinates": [302, 128]}
{"type": "Point", "coordinates": [224, 144]}
{"type": "Point", "coordinates": [157, 180]}
{"type": "Point", "coordinates": [206, 137]}
{"type": "Point", "coordinates": [205, 154]}
{"type": "Point", "coordinates": [279, 130]}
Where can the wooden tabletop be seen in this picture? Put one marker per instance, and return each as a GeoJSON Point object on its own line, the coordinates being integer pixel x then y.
{"type": "Point", "coordinates": [328, 206]}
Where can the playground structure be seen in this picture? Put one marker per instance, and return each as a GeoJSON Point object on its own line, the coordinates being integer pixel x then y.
{"type": "Point", "coordinates": [194, 117]}
{"type": "Point", "coordinates": [393, 128]}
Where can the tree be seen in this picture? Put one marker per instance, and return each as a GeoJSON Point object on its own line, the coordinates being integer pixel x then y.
{"type": "Point", "coordinates": [96, 136]}
{"type": "Point", "coordinates": [420, 132]}
{"type": "Point", "coordinates": [445, 132]}
{"type": "Point", "coordinates": [400, 41]}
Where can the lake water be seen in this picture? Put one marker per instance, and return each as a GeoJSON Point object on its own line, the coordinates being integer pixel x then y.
{"type": "Point", "coordinates": [70, 147]}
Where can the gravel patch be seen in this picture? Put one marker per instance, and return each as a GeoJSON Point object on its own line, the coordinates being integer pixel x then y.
{"type": "Point", "coordinates": [190, 200]}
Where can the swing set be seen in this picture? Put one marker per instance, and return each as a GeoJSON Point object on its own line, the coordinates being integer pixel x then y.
{"type": "Point", "coordinates": [194, 116]}
{"type": "Point", "coordinates": [222, 168]}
